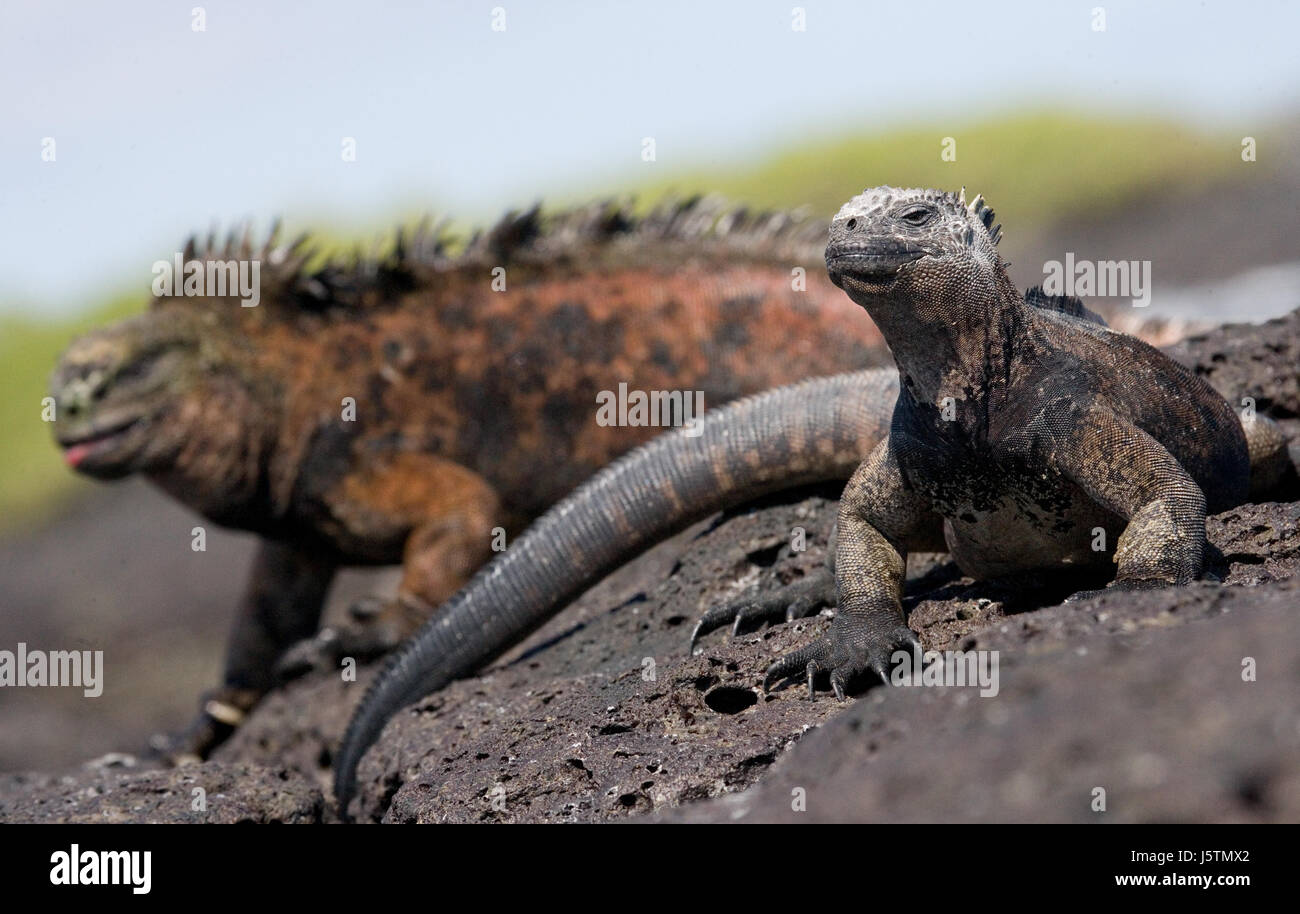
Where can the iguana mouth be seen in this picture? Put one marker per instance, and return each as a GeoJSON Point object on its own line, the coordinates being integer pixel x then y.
{"type": "Point", "coordinates": [875, 267]}
{"type": "Point", "coordinates": [80, 446]}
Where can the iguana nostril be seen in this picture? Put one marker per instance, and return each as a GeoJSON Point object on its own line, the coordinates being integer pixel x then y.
{"type": "Point", "coordinates": [851, 224]}
{"type": "Point", "coordinates": [76, 396]}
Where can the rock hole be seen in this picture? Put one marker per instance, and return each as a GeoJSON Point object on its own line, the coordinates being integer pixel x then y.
{"type": "Point", "coordinates": [730, 699]}
{"type": "Point", "coordinates": [765, 558]}
{"type": "Point", "coordinates": [1252, 789]}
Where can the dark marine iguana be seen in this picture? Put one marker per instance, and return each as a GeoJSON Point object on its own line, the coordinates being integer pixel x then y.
{"type": "Point", "coordinates": [474, 407]}
{"type": "Point", "coordinates": [1058, 425]}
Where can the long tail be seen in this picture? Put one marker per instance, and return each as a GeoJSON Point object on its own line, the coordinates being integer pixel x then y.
{"type": "Point", "coordinates": [817, 430]}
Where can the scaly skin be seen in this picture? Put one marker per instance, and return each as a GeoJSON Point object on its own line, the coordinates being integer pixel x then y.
{"type": "Point", "coordinates": [815, 431]}
{"type": "Point", "coordinates": [474, 408]}
{"type": "Point", "coordinates": [1055, 426]}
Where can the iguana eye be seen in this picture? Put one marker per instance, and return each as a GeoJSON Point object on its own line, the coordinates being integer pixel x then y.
{"type": "Point", "coordinates": [918, 216]}
{"type": "Point", "coordinates": [137, 369]}
{"type": "Point", "coordinates": [142, 367]}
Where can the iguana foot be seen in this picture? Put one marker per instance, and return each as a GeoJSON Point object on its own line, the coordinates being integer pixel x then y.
{"type": "Point", "coordinates": [221, 712]}
{"type": "Point", "coordinates": [374, 627]}
{"type": "Point", "coordinates": [848, 651]}
{"type": "Point", "coordinates": [785, 604]}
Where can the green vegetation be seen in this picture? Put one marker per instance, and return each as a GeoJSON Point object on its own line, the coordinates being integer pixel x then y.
{"type": "Point", "coordinates": [1034, 167]}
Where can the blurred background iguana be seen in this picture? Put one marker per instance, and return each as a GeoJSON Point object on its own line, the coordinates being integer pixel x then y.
{"type": "Point", "coordinates": [402, 409]}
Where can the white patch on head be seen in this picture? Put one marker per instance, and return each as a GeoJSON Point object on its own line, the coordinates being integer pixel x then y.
{"type": "Point", "coordinates": [959, 221]}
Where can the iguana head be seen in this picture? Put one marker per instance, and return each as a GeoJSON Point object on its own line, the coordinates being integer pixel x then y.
{"type": "Point", "coordinates": [925, 266]}
{"type": "Point", "coordinates": [124, 394]}
{"type": "Point", "coordinates": [185, 391]}
{"type": "Point", "coordinates": [894, 243]}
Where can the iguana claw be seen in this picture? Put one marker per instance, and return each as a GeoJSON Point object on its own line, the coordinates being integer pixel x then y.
{"type": "Point", "coordinates": [847, 651]}
{"type": "Point", "coordinates": [222, 710]}
{"type": "Point", "coordinates": [794, 601]}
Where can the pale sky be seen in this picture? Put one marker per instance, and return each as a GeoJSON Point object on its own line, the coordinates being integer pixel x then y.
{"type": "Point", "coordinates": [161, 130]}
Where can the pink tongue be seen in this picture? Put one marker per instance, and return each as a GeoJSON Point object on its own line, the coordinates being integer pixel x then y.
{"type": "Point", "coordinates": [75, 454]}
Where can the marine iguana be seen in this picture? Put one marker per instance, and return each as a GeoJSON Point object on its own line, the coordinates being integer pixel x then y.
{"type": "Point", "coordinates": [472, 406]}
{"type": "Point", "coordinates": [1058, 425]}
{"type": "Point", "coordinates": [1018, 433]}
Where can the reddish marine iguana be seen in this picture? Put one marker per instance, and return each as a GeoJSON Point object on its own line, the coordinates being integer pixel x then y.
{"type": "Point", "coordinates": [472, 407]}
{"type": "Point", "coordinates": [1057, 425]}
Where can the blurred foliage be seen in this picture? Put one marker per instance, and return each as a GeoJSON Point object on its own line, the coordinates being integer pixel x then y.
{"type": "Point", "coordinates": [1034, 168]}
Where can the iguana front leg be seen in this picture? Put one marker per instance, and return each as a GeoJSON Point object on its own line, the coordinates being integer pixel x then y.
{"type": "Point", "coordinates": [280, 607]}
{"type": "Point", "coordinates": [1133, 476]}
{"type": "Point", "coordinates": [880, 519]}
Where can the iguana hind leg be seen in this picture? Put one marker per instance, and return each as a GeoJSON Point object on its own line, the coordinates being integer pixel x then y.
{"type": "Point", "coordinates": [443, 515]}
{"type": "Point", "coordinates": [1270, 459]}
{"type": "Point", "coordinates": [440, 558]}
